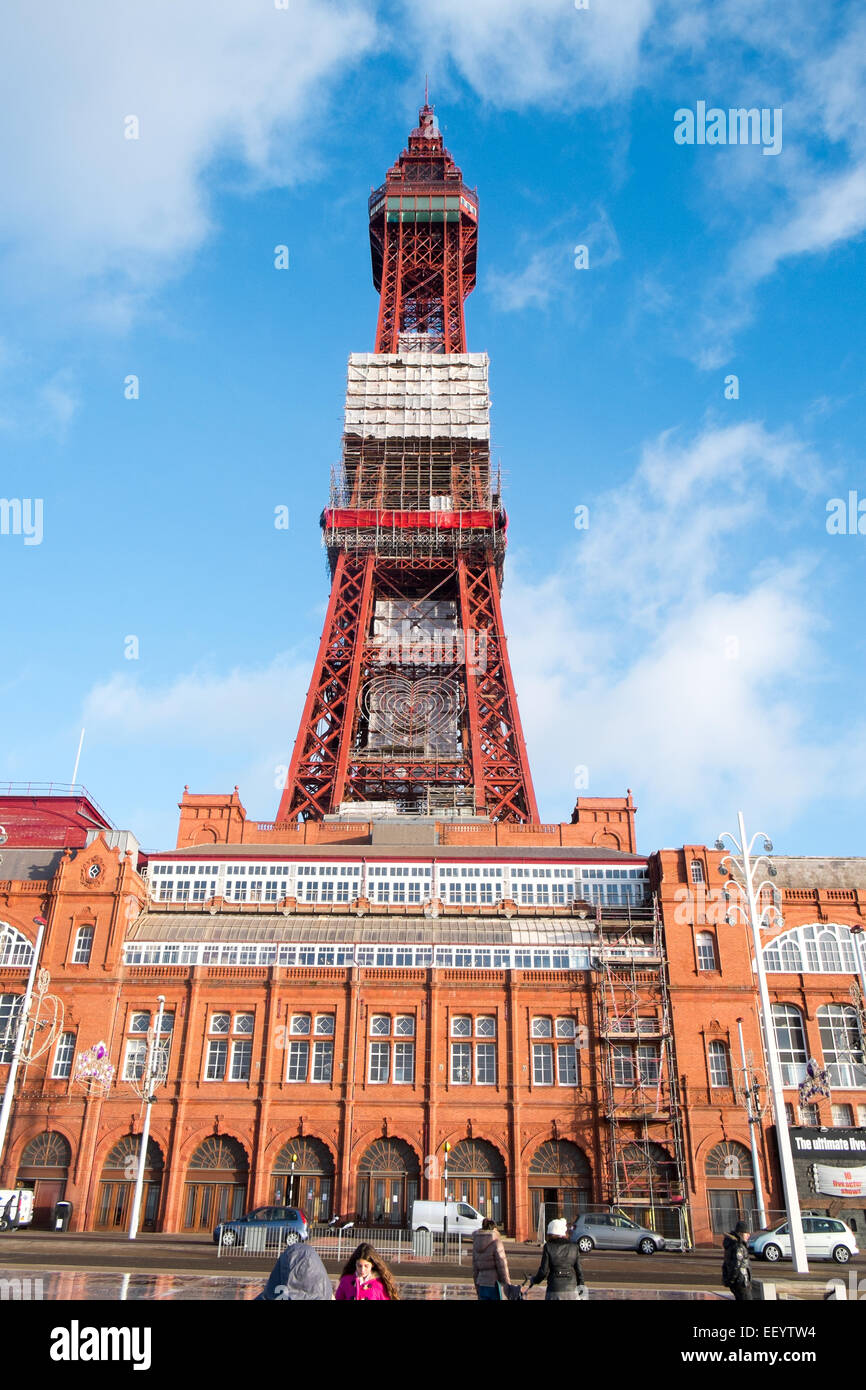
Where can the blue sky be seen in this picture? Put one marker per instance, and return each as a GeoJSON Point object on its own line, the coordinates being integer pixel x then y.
{"type": "Point", "coordinates": [702, 642]}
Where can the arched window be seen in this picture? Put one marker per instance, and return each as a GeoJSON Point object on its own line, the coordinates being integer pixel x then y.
{"type": "Point", "coordinates": [388, 1176]}
{"type": "Point", "coordinates": [216, 1185]}
{"type": "Point", "coordinates": [706, 945]}
{"type": "Point", "coordinates": [824, 949]}
{"type": "Point", "coordinates": [720, 1071]}
{"type": "Point", "coordinates": [303, 1175]}
{"type": "Point", "coordinates": [647, 1171]}
{"type": "Point", "coordinates": [476, 1174]}
{"type": "Point", "coordinates": [730, 1186]}
{"type": "Point", "coordinates": [842, 1043]}
{"type": "Point", "coordinates": [83, 946]}
{"type": "Point", "coordinates": [117, 1184]}
{"type": "Point", "coordinates": [560, 1178]}
{"type": "Point", "coordinates": [47, 1150]}
{"type": "Point", "coordinates": [791, 1043]}
{"type": "Point", "coordinates": [15, 949]}
{"type": "Point", "coordinates": [828, 948]}
{"type": "Point", "coordinates": [697, 871]}
{"type": "Point", "coordinates": [10, 1014]}
{"type": "Point", "coordinates": [44, 1167]}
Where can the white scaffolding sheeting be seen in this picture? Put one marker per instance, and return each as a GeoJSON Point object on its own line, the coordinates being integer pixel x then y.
{"type": "Point", "coordinates": [418, 394]}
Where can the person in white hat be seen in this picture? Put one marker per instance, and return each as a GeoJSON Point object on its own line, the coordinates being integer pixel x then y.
{"type": "Point", "coordinates": [560, 1265]}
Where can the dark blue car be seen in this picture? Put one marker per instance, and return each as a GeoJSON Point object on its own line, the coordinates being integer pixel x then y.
{"type": "Point", "coordinates": [274, 1227]}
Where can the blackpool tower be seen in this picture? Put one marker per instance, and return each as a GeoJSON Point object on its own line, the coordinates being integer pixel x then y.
{"type": "Point", "coordinates": [412, 708]}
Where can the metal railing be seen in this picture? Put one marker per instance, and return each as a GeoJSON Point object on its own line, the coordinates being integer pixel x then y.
{"type": "Point", "coordinates": [395, 1244]}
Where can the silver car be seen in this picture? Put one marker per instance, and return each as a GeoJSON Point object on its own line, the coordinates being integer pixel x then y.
{"type": "Point", "coordinates": [612, 1231]}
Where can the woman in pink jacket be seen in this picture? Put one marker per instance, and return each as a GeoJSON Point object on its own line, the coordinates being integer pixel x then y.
{"type": "Point", "coordinates": [366, 1276]}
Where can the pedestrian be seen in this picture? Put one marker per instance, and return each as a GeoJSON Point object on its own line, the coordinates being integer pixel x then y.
{"type": "Point", "coordinates": [736, 1273]}
{"type": "Point", "coordinates": [560, 1265]}
{"type": "Point", "coordinates": [366, 1277]}
{"type": "Point", "coordinates": [489, 1263]}
{"type": "Point", "coordinates": [298, 1275]}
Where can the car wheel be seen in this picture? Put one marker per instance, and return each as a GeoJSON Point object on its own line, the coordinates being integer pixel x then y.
{"type": "Point", "coordinates": [292, 1238]}
{"type": "Point", "coordinates": [229, 1238]}
{"type": "Point", "coordinates": [841, 1254]}
{"type": "Point", "coordinates": [772, 1253]}
{"type": "Point", "coordinates": [585, 1244]}
{"type": "Point", "coordinates": [646, 1246]}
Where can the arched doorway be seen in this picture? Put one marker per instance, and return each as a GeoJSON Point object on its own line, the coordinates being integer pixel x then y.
{"type": "Point", "coordinates": [388, 1176]}
{"type": "Point", "coordinates": [730, 1186]}
{"type": "Point", "coordinates": [44, 1167]}
{"type": "Point", "coordinates": [216, 1183]}
{"type": "Point", "coordinates": [559, 1177]}
{"type": "Point", "coordinates": [476, 1174]}
{"type": "Point", "coordinates": [649, 1187]}
{"type": "Point", "coordinates": [117, 1185]}
{"type": "Point", "coordinates": [310, 1184]}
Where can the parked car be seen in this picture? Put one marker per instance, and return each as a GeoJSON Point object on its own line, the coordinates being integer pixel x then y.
{"type": "Point", "coordinates": [430, 1216]}
{"type": "Point", "coordinates": [826, 1239]}
{"type": "Point", "coordinates": [605, 1230]}
{"type": "Point", "coordinates": [279, 1226]}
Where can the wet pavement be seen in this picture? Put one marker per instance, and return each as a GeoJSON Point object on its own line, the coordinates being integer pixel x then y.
{"type": "Point", "coordinates": [32, 1284]}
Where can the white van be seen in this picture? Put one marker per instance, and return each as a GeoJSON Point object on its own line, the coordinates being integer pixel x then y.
{"type": "Point", "coordinates": [430, 1216]}
{"type": "Point", "coordinates": [16, 1207]}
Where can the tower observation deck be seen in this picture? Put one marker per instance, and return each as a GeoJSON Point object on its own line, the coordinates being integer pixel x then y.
{"type": "Point", "coordinates": [412, 703]}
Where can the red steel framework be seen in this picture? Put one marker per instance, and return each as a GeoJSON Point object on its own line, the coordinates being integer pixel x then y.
{"type": "Point", "coordinates": [423, 233]}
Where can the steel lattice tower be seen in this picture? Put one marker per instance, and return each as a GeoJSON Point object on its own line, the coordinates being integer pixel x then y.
{"type": "Point", "coordinates": [412, 700]}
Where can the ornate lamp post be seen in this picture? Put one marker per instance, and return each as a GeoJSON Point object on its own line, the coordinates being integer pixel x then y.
{"type": "Point", "coordinates": [751, 1100]}
{"type": "Point", "coordinates": [154, 1074]}
{"type": "Point", "coordinates": [292, 1180]}
{"type": "Point", "coordinates": [743, 871]}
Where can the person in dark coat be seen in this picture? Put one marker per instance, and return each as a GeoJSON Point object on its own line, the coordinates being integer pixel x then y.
{"type": "Point", "coordinates": [560, 1265]}
{"type": "Point", "coordinates": [298, 1275]}
{"type": "Point", "coordinates": [736, 1273]}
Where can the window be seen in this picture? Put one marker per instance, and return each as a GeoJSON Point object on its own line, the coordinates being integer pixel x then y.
{"type": "Point", "coordinates": [380, 1062]}
{"type": "Point", "coordinates": [542, 1061]}
{"type": "Point", "coordinates": [404, 1063]}
{"type": "Point", "coordinates": [809, 1116]}
{"type": "Point", "coordinates": [843, 1116]}
{"type": "Point", "coordinates": [791, 1043]}
{"type": "Point", "coordinates": [697, 871]}
{"type": "Point", "coordinates": [485, 1027]}
{"type": "Point", "coordinates": [380, 1025]}
{"type": "Point", "coordinates": [566, 1064]}
{"type": "Point", "coordinates": [485, 1064]}
{"type": "Point", "coordinates": [63, 1056]}
{"type": "Point", "coordinates": [542, 1028]}
{"type": "Point", "coordinates": [720, 1074]}
{"type": "Point", "coordinates": [217, 1056]}
{"type": "Point", "coordinates": [83, 946]}
{"type": "Point", "coordinates": [461, 1064]}
{"type": "Point", "coordinates": [623, 1065]}
{"type": "Point", "coordinates": [461, 1027]}
{"type": "Point", "coordinates": [648, 1064]}
{"type": "Point", "coordinates": [861, 1116]}
{"type": "Point", "coordinates": [219, 1023]}
{"type": "Point", "coordinates": [323, 1061]}
{"type": "Point", "coordinates": [139, 1023]}
{"type": "Point", "coordinates": [706, 945]}
{"type": "Point", "coordinates": [565, 1027]}
{"type": "Point", "coordinates": [300, 1024]}
{"type": "Point", "coordinates": [842, 1044]}
{"type": "Point", "coordinates": [813, 949]}
{"type": "Point", "coordinates": [244, 1023]}
{"type": "Point", "coordinates": [325, 1025]}
{"type": "Point", "coordinates": [135, 1060]}
{"type": "Point", "coordinates": [404, 1026]}
{"type": "Point", "coordinates": [299, 1060]}
{"type": "Point", "coordinates": [242, 1056]}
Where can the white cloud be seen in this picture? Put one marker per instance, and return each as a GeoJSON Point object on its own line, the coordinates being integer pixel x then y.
{"type": "Point", "coordinates": [86, 208]}
{"type": "Point", "coordinates": [658, 661]}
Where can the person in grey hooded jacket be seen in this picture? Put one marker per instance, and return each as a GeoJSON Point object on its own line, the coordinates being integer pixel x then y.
{"type": "Point", "coordinates": [298, 1274]}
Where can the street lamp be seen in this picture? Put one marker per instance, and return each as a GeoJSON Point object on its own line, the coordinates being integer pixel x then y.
{"type": "Point", "coordinates": [292, 1180]}
{"type": "Point", "coordinates": [743, 871]}
{"type": "Point", "coordinates": [20, 1032]}
{"type": "Point", "coordinates": [155, 1070]}
{"type": "Point", "coordinates": [752, 1102]}
{"type": "Point", "coordinates": [447, 1147]}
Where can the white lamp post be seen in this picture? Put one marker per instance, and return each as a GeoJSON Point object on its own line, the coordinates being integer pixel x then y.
{"type": "Point", "coordinates": [154, 1075]}
{"type": "Point", "coordinates": [753, 1110]}
{"type": "Point", "coordinates": [743, 871]}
